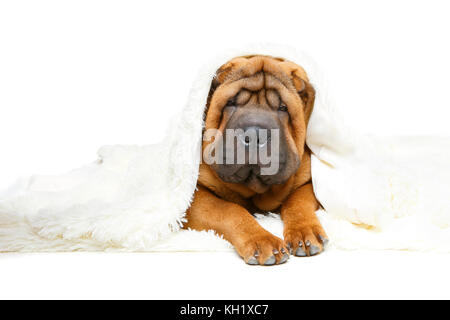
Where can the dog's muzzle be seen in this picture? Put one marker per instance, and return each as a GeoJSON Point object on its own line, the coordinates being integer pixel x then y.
{"type": "Point", "coordinates": [255, 151]}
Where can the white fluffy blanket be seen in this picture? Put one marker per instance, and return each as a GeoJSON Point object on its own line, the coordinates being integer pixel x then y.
{"type": "Point", "coordinates": [384, 193]}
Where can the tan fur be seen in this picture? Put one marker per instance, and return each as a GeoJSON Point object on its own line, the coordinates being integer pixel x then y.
{"type": "Point", "coordinates": [225, 207]}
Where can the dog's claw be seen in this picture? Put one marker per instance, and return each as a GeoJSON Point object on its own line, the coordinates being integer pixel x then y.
{"type": "Point", "coordinates": [300, 252]}
{"type": "Point", "coordinates": [289, 247]}
{"type": "Point", "coordinates": [252, 261]}
{"type": "Point", "coordinates": [308, 243]}
{"type": "Point", "coordinates": [284, 258]}
{"type": "Point", "coordinates": [270, 261]}
{"type": "Point", "coordinates": [314, 250]}
{"type": "Point", "coordinates": [323, 240]}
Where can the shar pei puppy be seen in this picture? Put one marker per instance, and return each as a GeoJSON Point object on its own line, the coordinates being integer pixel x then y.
{"type": "Point", "coordinates": [255, 160]}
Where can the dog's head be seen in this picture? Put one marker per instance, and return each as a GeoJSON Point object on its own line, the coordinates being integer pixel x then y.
{"type": "Point", "coordinates": [258, 110]}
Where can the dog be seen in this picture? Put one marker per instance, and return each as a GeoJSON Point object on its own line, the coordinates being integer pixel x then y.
{"type": "Point", "coordinates": [254, 94]}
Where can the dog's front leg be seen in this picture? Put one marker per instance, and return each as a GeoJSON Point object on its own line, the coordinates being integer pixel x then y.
{"type": "Point", "coordinates": [303, 233]}
{"type": "Point", "coordinates": [252, 242]}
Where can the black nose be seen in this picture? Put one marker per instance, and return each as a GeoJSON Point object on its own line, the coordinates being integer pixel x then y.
{"type": "Point", "coordinates": [255, 134]}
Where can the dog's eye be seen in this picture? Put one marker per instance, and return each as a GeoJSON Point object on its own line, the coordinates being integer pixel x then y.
{"type": "Point", "coordinates": [283, 107]}
{"type": "Point", "coordinates": [231, 102]}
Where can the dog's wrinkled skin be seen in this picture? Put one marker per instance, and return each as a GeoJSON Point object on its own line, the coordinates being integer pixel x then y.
{"type": "Point", "coordinates": [268, 92]}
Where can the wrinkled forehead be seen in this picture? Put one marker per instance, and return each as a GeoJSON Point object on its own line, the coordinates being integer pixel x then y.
{"type": "Point", "coordinates": [254, 73]}
{"type": "Point", "coordinates": [261, 71]}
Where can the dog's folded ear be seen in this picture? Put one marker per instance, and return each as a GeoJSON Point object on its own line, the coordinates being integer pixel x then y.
{"type": "Point", "coordinates": [306, 92]}
{"type": "Point", "coordinates": [219, 77]}
{"type": "Point", "coordinates": [308, 96]}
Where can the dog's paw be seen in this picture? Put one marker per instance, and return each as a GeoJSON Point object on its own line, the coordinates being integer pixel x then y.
{"type": "Point", "coordinates": [263, 249]}
{"type": "Point", "coordinates": [305, 240]}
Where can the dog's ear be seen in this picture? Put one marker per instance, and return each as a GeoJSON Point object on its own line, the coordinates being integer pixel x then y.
{"type": "Point", "coordinates": [219, 77]}
{"type": "Point", "coordinates": [306, 92]}
{"type": "Point", "coordinates": [308, 95]}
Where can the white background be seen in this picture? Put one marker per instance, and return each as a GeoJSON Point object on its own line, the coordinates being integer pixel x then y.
{"type": "Point", "coordinates": [75, 75]}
